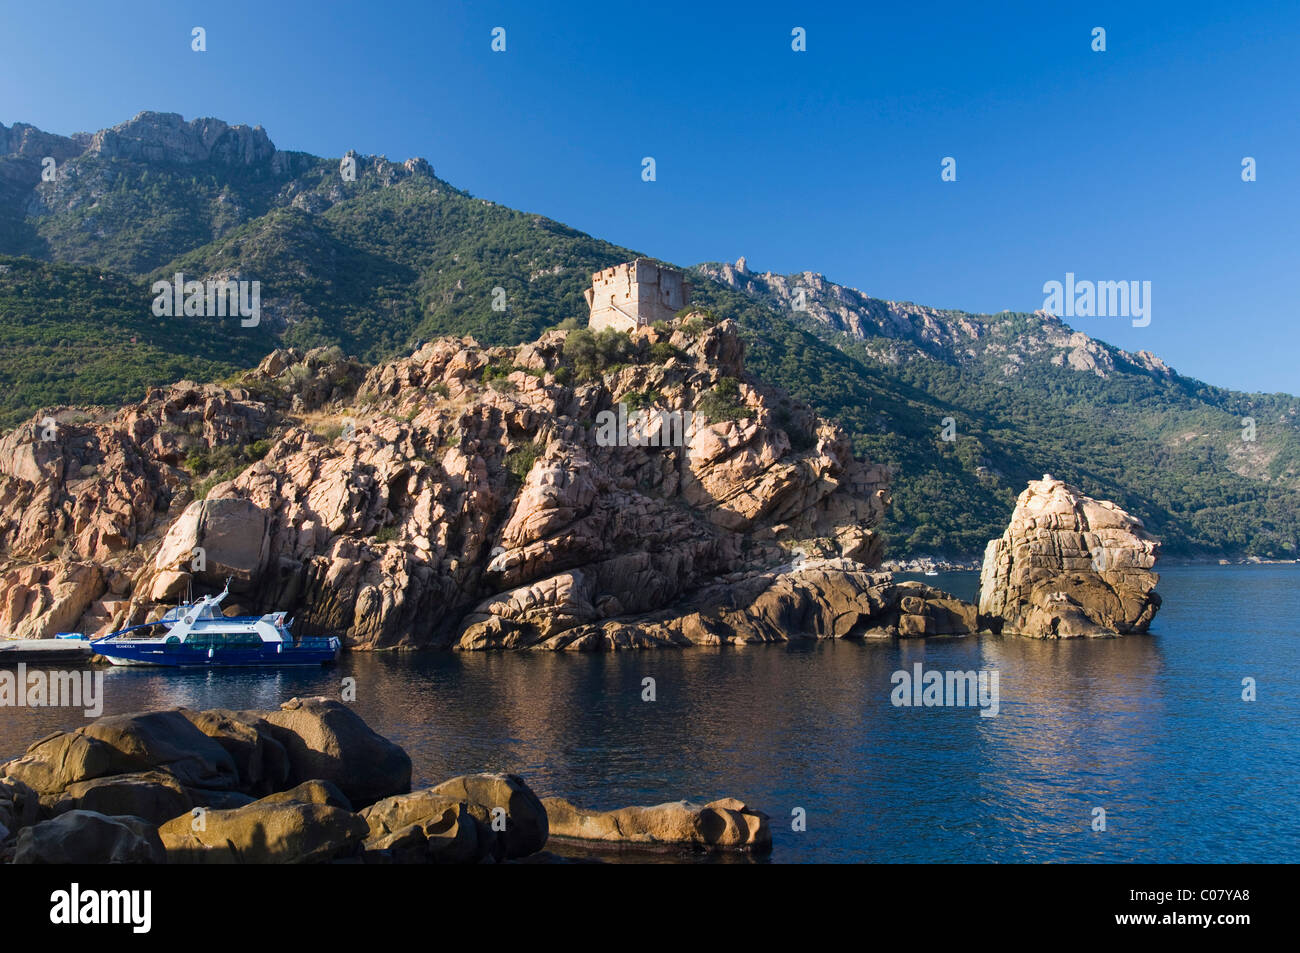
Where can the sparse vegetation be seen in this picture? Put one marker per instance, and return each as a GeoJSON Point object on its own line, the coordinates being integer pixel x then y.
{"type": "Point", "coordinates": [661, 352]}
{"type": "Point", "coordinates": [638, 400]}
{"type": "Point", "coordinates": [221, 463]}
{"type": "Point", "coordinates": [520, 460]}
{"type": "Point", "coordinates": [722, 402]}
{"type": "Point", "coordinates": [593, 354]}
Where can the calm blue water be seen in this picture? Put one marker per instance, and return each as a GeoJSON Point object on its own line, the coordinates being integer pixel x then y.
{"type": "Point", "coordinates": [1152, 729]}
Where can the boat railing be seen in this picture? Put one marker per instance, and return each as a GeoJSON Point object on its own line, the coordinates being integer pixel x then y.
{"type": "Point", "coordinates": [313, 641]}
{"type": "Point", "coordinates": [120, 632]}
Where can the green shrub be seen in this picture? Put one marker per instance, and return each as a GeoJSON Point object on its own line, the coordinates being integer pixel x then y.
{"type": "Point", "coordinates": [495, 371]}
{"type": "Point", "coordinates": [661, 352]}
{"type": "Point", "coordinates": [722, 402]}
{"type": "Point", "coordinates": [221, 463]}
{"type": "Point", "coordinates": [591, 355]}
{"type": "Point", "coordinates": [638, 400]}
{"type": "Point", "coordinates": [521, 459]}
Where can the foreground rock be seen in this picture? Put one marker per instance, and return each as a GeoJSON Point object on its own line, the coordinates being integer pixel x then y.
{"type": "Point", "coordinates": [1069, 566]}
{"type": "Point", "coordinates": [473, 817]}
{"type": "Point", "coordinates": [20, 807]}
{"type": "Point", "coordinates": [87, 837]}
{"type": "Point", "coordinates": [234, 787]}
{"type": "Point", "coordinates": [157, 764]}
{"type": "Point", "coordinates": [723, 824]}
{"type": "Point", "coordinates": [312, 823]}
{"type": "Point", "coordinates": [325, 739]}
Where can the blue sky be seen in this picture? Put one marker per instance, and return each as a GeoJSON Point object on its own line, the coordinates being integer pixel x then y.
{"type": "Point", "coordinates": [1122, 165]}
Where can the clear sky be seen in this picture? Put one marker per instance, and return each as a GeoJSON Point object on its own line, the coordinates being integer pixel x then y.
{"type": "Point", "coordinates": [1115, 165]}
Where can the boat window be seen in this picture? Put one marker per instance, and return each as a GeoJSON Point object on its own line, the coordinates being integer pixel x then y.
{"type": "Point", "coordinates": [223, 640]}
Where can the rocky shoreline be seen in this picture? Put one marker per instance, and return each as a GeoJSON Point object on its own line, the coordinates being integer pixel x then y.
{"type": "Point", "coordinates": [307, 783]}
{"type": "Point", "coordinates": [461, 498]}
{"type": "Point", "coordinates": [413, 503]}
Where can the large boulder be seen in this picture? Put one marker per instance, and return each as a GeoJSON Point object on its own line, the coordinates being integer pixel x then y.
{"type": "Point", "coordinates": [152, 795]}
{"type": "Point", "coordinates": [423, 827]}
{"type": "Point", "coordinates": [261, 761]}
{"type": "Point", "coordinates": [522, 828]}
{"type": "Point", "coordinates": [20, 807]}
{"type": "Point", "coordinates": [1069, 566]}
{"type": "Point", "coordinates": [86, 837]}
{"type": "Point", "coordinates": [274, 830]}
{"type": "Point", "coordinates": [472, 817]}
{"type": "Point", "coordinates": [125, 744]}
{"type": "Point", "coordinates": [395, 813]}
{"type": "Point", "coordinates": [723, 824]}
{"type": "Point", "coordinates": [324, 739]}
{"type": "Point", "coordinates": [230, 532]}
{"type": "Point", "coordinates": [311, 792]}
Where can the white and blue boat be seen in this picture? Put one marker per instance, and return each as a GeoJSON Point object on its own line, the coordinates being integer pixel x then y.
{"type": "Point", "coordinates": [197, 634]}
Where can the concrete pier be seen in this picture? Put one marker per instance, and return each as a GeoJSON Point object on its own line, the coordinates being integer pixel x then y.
{"type": "Point", "coordinates": [68, 651]}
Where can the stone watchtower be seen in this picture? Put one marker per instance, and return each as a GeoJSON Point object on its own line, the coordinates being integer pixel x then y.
{"type": "Point", "coordinates": [635, 294]}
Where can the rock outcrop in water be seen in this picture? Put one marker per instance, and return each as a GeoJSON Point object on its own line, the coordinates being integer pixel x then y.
{"type": "Point", "coordinates": [457, 497]}
{"type": "Point", "coordinates": [726, 823]}
{"type": "Point", "coordinates": [308, 783]}
{"type": "Point", "coordinates": [1069, 566]}
{"type": "Point", "coordinates": [820, 599]}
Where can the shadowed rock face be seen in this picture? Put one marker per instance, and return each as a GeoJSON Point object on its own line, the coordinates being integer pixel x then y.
{"type": "Point", "coordinates": [458, 497]}
{"type": "Point", "coordinates": [148, 764]}
{"type": "Point", "coordinates": [1069, 566]}
{"type": "Point", "coordinates": [88, 837]}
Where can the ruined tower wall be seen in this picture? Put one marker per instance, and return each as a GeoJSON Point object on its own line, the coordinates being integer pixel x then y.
{"type": "Point", "coordinates": [635, 294]}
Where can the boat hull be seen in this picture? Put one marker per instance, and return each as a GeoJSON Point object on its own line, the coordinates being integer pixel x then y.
{"type": "Point", "coordinates": [187, 656]}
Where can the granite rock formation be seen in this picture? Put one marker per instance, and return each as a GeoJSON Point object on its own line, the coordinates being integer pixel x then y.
{"type": "Point", "coordinates": [819, 599]}
{"type": "Point", "coordinates": [1069, 566]}
{"type": "Point", "coordinates": [457, 497]}
{"type": "Point", "coordinates": [727, 823]}
{"type": "Point", "coordinates": [221, 787]}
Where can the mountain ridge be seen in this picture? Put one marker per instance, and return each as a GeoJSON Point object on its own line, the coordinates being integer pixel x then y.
{"type": "Point", "coordinates": [397, 256]}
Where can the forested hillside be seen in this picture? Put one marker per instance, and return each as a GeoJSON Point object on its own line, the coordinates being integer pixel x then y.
{"type": "Point", "coordinates": [385, 254]}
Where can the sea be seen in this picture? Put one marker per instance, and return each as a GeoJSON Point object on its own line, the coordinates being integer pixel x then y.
{"type": "Point", "coordinates": [1182, 745]}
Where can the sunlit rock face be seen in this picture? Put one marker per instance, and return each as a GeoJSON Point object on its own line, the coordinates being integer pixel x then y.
{"type": "Point", "coordinates": [1069, 566]}
{"type": "Point", "coordinates": [461, 496]}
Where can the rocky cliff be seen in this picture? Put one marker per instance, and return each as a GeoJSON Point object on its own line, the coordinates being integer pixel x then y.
{"type": "Point", "coordinates": [457, 497]}
{"type": "Point", "coordinates": [148, 137]}
{"type": "Point", "coordinates": [1069, 566]}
